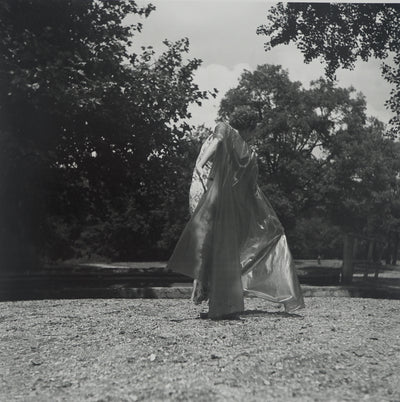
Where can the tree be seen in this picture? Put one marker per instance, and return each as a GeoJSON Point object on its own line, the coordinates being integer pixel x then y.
{"type": "Point", "coordinates": [89, 131]}
{"type": "Point", "coordinates": [321, 160]}
{"type": "Point", "coordinates": [296, 127]}
{"type": "Point", "coordinates": [340, 34]}
{"type": "Point", "coordinates": [361, 178]}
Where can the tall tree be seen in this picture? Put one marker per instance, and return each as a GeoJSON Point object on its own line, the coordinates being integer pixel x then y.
{"type": "Point", "coordinates": [321, 160]}
{"type": "Point", "coordinates": [361, 178]}
{"type": "Point", "coordinates": [88, 130]}
{"type": "Point", "coordinates": [296, 127]}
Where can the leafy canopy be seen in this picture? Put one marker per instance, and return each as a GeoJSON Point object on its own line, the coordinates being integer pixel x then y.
{"type": "Point", "coordinates": [320, 157]}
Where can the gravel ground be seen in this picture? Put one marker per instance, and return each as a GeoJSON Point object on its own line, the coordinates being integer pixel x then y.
{"type": "Point", "coordinates": [337, 349]}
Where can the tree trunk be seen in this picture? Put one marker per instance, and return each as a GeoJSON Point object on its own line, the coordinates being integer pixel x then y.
{"type": "Point", "coordinates": [347, 269]}
{"type": "Point", "coordinates": [370, 256]}
{"type": "Point", "coordinates": [395, 248]}
{"type": "Point", "coordinates": [388, 251]}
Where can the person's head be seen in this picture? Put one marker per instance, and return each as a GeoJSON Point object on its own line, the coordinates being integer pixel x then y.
{"type": "Point", "coordinates": [245, 120]}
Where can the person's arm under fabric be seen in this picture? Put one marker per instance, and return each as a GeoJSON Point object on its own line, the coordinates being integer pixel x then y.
{"type": "Point", "coordinates": [218, 134]}
{"type": "Point", "coordinates": [209, 152]}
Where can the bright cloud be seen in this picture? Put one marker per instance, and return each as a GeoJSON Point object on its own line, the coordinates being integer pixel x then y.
{"type": "Point", "coordinates": [214, 76]}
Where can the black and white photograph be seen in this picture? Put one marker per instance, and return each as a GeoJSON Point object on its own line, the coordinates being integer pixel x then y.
{"type": "Point", "coordinates": [199, 201]}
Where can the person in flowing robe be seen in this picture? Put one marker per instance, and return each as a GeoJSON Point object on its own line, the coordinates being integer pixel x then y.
{"type": "Point", "coordinates": [234, 244]}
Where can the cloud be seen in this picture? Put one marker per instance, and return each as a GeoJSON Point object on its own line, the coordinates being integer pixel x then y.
{"type": "Point", "coordinates": [223, 34]}
{"type": "Point", "coordinates": [214, 76]}
{"type": "Point", "coordinates": [365, 78]}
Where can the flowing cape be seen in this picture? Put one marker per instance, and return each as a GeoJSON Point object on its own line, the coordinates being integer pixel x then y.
{"type": "Point", "coordinates": [234, 239]}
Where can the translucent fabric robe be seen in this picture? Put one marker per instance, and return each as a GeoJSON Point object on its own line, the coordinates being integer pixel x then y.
{"type": "Point", "coordinates": [234, 241]}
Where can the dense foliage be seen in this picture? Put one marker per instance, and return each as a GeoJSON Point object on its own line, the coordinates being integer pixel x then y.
{"type": "Point", "coordinates": [90, 133]}
{"type": "Point", "coordinates": [324, 165]}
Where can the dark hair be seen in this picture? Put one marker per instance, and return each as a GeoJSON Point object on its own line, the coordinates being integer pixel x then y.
{"type": "Point", "coordinates": [243, 118]}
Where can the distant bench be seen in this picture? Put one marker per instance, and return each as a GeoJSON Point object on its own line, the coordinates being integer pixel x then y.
{"type": "Point", "coordinates": [367, 266]}
{"type": "Point", "coordinates": [351, 264]}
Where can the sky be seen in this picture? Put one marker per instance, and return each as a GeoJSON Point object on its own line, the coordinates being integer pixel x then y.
{"type": "Point", "coordinates": [222, 33]}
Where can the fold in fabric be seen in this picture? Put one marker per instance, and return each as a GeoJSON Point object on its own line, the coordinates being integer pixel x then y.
{"type": "Point", "coordinates": [234, 242]}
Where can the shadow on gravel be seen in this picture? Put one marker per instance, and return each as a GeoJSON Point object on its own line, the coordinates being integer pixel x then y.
{"type": "Point", "coordinates": [183, 319]}
{"type": "Point", "coordinates": [265, 313]}
{"type": "Point", "coordinates": [241, 316]}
